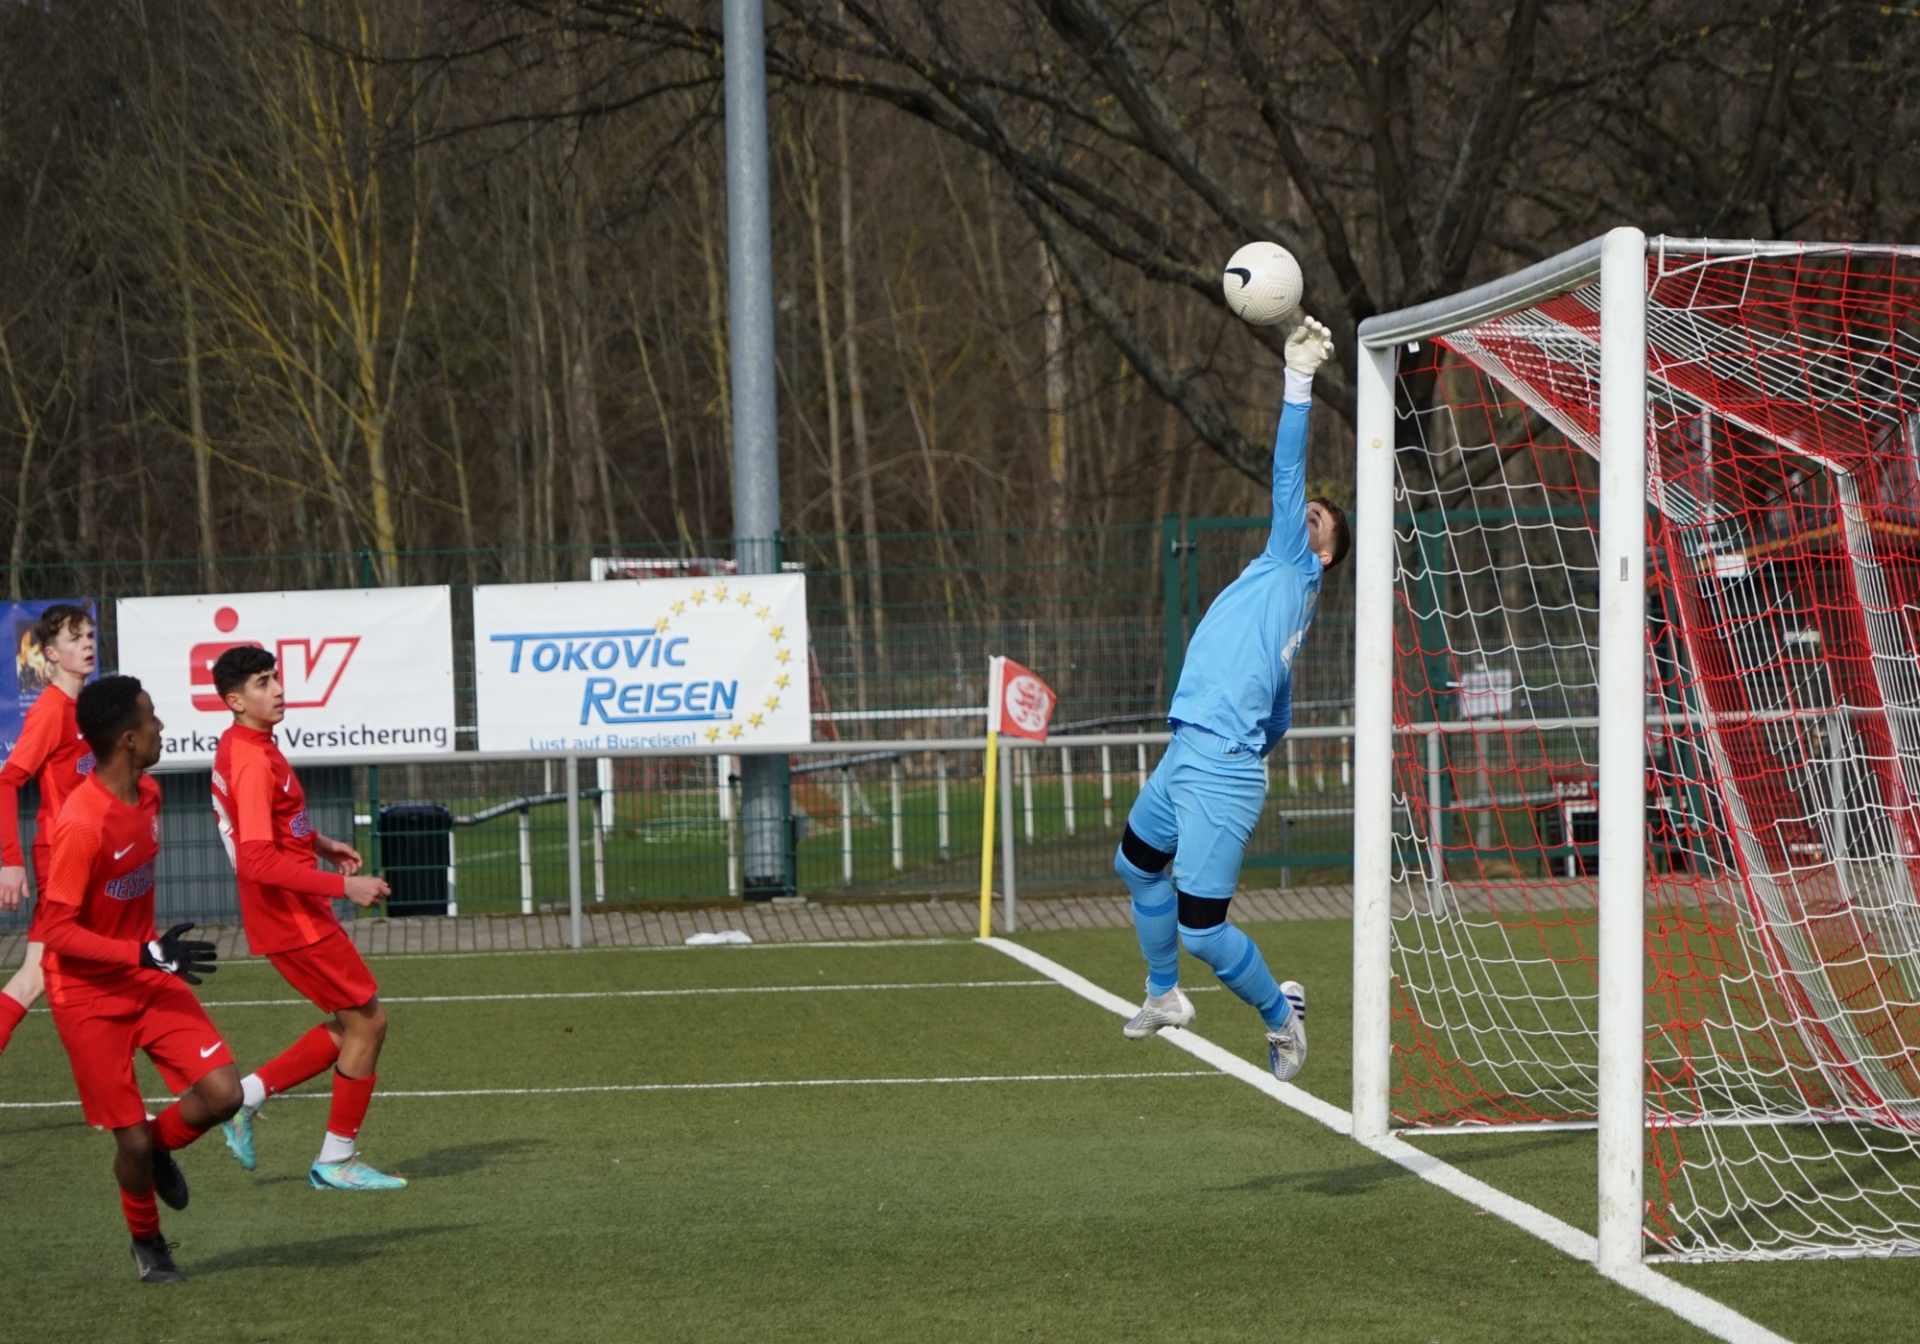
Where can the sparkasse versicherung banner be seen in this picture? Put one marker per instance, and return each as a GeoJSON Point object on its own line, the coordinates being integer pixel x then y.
{"type": "Point", "coordinates": [368, 672]}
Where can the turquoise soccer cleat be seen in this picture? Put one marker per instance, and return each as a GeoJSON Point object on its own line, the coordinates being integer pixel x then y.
{"type": "Point", "coordinates": [238, 1132]}
{"type": "Point", "coordinates": [353, 1174]}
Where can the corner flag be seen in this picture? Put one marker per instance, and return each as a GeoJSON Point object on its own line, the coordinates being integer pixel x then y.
{"type": "Point", "coordinates": [1019, 703]}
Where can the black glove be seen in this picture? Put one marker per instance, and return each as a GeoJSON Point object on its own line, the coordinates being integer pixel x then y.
{"type": "Point", "coordinates": [188, 958]}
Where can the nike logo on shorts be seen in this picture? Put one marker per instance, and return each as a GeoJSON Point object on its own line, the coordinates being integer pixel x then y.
{"type": "Point", "coordinates": [118, 854]}
{"type": "Point", "coordinates": [209, 1050]}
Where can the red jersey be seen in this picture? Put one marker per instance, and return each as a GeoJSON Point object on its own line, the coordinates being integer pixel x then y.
{"type": "Point", "coordinates": [51, 749]}
{"type": "Point", "coordinates": [285, 900]}
{"type": "Point", "coordinates": [98, 902]}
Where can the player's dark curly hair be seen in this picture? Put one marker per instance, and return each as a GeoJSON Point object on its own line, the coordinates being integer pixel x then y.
{"type": "Point", "coordinates": [58, 617]}
{"type": "Point", "coordinates": [1342, 532]}
{"type": "Point", "coordinates": [106, 710]}
{"type": "Point", "coordinates": [237, 666]}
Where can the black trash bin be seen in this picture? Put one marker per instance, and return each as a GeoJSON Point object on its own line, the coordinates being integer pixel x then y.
{"type": "Point", "coordinates": [416, 847]}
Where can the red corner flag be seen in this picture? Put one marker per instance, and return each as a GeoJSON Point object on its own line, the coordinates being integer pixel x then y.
{"type": "Point", "coordinates": [1018, 702]}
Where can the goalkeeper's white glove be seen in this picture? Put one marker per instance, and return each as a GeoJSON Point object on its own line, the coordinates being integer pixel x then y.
{"type": "Point", "coordinates": [1310, 346]}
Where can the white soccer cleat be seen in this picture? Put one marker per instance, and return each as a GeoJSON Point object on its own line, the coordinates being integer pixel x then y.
{"type": "Point", "coordinates": [1287, 1047]}
{"type": "Point", "coordinates": [1172, 1009]}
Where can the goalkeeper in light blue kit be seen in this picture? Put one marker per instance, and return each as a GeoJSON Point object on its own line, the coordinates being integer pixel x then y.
{"type": "Point", "coordinates": [1180, 856]}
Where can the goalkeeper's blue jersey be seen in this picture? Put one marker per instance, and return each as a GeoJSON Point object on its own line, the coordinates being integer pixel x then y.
{"type": "Point", "coordinates": [1237, 682]}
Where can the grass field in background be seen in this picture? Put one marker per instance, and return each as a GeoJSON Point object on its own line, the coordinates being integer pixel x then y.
{"type": "Point", "coordinates": [674, 844]}
{"type": "Point", "coordinates": [1143, 1207]}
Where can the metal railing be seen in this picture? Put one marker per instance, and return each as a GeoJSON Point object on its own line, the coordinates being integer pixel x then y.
{"type": "Point", "coordinates": [1085, 608]}
{"type": "Point", "coordinates": [896, 818]}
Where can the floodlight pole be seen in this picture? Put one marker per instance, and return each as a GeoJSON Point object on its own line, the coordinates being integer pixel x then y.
{"type": "Point", "coordinates": [764, 785]}
{"type": "Point", "coordinates": [1623, 746]}
{"type": "Point", "coordinates": [1373, 744]}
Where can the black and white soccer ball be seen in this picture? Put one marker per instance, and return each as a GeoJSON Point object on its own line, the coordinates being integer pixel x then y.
{"type": "Point", "coordinates": [1262, 283]}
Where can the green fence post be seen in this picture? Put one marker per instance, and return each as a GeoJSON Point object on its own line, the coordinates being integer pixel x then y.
{"type": "Point", "coordinates": [366, 568]}
{"type": "Point", "coordinates": [1430, 621]}
{"type": "Point", "coordinates": [373, 818]}
{"type": "Point", "coordinates": [1172, 547]}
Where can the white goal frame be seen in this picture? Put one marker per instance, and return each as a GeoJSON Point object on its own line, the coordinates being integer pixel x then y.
{"type": "Point", "coordinates": [1618, 260]}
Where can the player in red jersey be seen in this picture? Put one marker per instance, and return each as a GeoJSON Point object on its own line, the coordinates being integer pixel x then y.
{"type": "Point", "coordinates": [114, 985]}
{"type": "Point", "coordinates": [51, 750]}
{"type": "Point", "coordinates": [286, 905]}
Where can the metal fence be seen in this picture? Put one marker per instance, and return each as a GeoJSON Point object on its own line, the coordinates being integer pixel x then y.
{"type": "Point", "coordinates": [887, 800]}
{"type": "Point", "coordinates": [1101, 613]}
{"type": "Point", "coordinates": [899, 819]}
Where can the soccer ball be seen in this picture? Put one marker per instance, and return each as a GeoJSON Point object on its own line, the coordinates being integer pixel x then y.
{"type": "Point", "coordinates": [1262, 282]}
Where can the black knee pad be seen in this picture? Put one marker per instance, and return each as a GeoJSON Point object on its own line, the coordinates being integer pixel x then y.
{"type": "Point", "coordinates": [1143, 855]}
{"type": "Point", "coordinates": [1203, 912]}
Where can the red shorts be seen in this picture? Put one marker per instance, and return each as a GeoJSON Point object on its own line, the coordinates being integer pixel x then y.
{"type": "Point", "coordinates": [329, 973]}
{"type": "Point", "coordinates": [171, 1027]}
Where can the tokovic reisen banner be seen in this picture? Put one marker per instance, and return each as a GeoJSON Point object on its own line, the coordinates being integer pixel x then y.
{"type": "Point", "coordinates": [649, 665]}
{"type": "Point", "coordinates": [368, 672]}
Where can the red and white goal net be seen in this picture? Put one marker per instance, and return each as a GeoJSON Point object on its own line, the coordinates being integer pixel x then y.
{"type": "Point", "coordinates": [1783, 739]}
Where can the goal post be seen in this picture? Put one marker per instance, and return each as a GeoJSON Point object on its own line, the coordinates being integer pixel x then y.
{"type": "Point", "coordinates": [1637, 734]}
{"type": "Point", "coordinates": [1619, 262]}
{"type": "Point", "coordinates": [1622, 752]}
{"type": "Point", "coordinates": [1373, 657]}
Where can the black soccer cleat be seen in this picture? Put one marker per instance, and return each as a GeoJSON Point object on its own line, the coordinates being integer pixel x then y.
{"type": "Point", "coordinates": [169, 1182]}
{"type": "Point", "coordinates": [153, 1257]}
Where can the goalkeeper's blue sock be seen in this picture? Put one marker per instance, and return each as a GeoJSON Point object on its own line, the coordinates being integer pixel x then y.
{"type": "Point", "coordinates": [1155, 921]}
{"type": "Point", "coordinates": [1240, 967]}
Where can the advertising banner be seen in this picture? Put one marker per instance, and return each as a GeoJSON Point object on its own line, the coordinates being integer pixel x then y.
{"type": "Point", "coordinates": [648, 665]}
{"type": "Point", "coordinates": [368, 672]}
{"type": "Point", "coordinates": [31, 674]}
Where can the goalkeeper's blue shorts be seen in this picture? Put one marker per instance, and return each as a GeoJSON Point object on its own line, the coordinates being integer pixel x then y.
{"type": "Point", "coordinates": [1202, 802]}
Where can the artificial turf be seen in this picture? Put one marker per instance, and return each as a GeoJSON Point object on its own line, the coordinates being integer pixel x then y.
{"type": "Point", "coordinates": [1111, 1209]}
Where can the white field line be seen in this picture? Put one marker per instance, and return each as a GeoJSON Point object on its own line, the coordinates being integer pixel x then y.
{"type": "Point", "coordinates": [794, 944]}
{"type": "Point", "coordinates": [249, 962]}
{"type": "Point", "coordinates": [322, 1094]}
{"type": "Point", "coordinates": [543, 996]}
{"type": "Point", "coordinates": [1696, 1308]}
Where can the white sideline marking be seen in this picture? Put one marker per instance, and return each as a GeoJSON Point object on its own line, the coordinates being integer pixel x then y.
{"type": "Point", "coordinates": [666, 947]}
{"type": "Point", "coordinates": [532, 997]}
{"type": "Point", "coordinates": [235, 963]}
{"type": "Point", "coordinates": [791, 944]}
{"type": "Point", "coordinates": [1696, 1308]}
{"type": "Point", "coordinates": [323, 1094]}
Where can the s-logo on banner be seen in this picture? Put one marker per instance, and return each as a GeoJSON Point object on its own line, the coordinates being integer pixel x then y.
{"type": "Point", "coordinates": [309, 668]}
{"type": "Point", "coordinates": [643, 665]}
{"type": "Point", "coordinates": [367, 673]}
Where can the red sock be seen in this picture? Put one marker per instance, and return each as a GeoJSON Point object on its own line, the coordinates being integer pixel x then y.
{"type": "Point", "coordinates": [350, 1098]}
{"type": "Point", "coordinates": [171, 1131]}
{"type": "Point", "coordinates": [12, 1014]}
{"type": "Point", "coordinates": [309, 1057]}
{"type": "Point", "coordinates": [143, 1219]}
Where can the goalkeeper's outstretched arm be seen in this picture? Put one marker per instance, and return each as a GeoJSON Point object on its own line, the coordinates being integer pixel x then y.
{"type": "Point", "coordinates": [1310, 346]}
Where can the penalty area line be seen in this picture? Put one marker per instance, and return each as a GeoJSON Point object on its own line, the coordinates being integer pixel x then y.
{"type": "Point", "coordinates": [477, 954]}
{"type": "Point", "coordinates": [538, 996]}
{"type": "Point", "coordinates": [748, 1085]}
{"type": "Point", "coordinates": [1690, 1305]}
